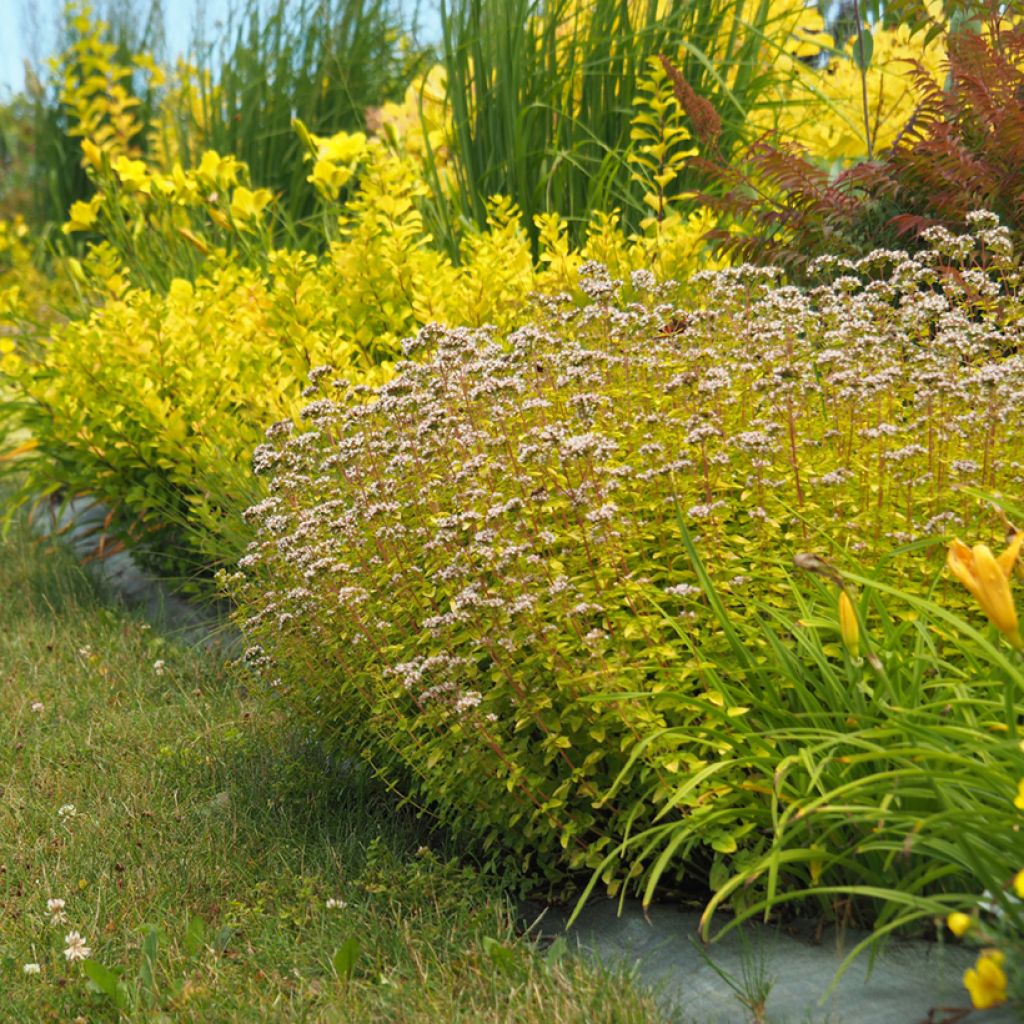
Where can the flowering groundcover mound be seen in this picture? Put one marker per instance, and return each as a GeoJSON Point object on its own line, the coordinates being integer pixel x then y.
{"type": "Point", "coordinates": [530, 577]}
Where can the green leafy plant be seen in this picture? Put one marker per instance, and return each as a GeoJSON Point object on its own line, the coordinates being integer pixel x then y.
{"type": "Point", "coordinates": [884, 776]}
{"type": "Point", "coordinates": [186, 269]}
{"type": "Point", "coordinates": [181, 765]}
{"type": "Point", "coordinates": [147, 991]}
{"type": "Point", "coordinates": [345, 959]}
{"type": "Point", "coordinates": [755, 982]}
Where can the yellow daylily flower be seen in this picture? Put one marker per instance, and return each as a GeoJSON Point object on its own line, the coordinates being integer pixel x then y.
{"type": "Point", "coordinates": [133, 174]}
{"type": "Point", "coordinates": [849, 628]}
{"type": "Point", "coordinates": [186, 188]}
{"type": "Point", "coordinates": [342, 148]}
{"type": "Point", "coordinates": [988, 579]}
{"type": "Point", "coordinates": [246, 205]}
{"type": "Point", "coordinates": [219, 171]}
{"type": "Point", "coordinates": [82, 216]}
{"type": "Point", "coordinates": [329, 178]}
{"type": "Point", "coordinates": [986, 980]}
{"type": "Point", "coordinates": [164, 185]}
{"type": "Point", "coordinates": [209, 165]}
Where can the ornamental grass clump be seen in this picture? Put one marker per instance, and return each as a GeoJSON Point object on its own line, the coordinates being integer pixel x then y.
{"type": "Point", "coordinates": [522, 576]}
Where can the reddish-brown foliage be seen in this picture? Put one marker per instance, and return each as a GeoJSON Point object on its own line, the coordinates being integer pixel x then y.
{"type": "Point", "coordinates": [962, 150]}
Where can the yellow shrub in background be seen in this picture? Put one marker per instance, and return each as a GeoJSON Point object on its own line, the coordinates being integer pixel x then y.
{"type": "Point", "coordinates": [153, 402]}
{"type": "Point", "coordinates": [200, 330]}
{"type": "Point", "coordinates": [421, 123]}
{"type": "Point", "coordinates": [14, 258]}
{"type": "Point", "coordinates": [27, 295]}
{"type": "Point", "coordinates": [823, 108]}
{"type": "Point", "coordinates": [94, 86]}
{"type": "Point", "coordinates": [816, 99]}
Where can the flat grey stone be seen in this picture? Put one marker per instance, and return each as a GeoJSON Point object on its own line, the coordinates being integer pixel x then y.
{"type": "Point", "coordinates": [909, 982]}
{"type": "Point", "coordinates": [80, 524]}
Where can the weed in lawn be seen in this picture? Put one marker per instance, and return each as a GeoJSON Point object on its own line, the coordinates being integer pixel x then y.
{"type": "Point", "coordinates": [755, 981]}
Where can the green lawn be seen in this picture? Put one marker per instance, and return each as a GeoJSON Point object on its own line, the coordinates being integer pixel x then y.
{"type": "Point", "coordinates": [197, 844]}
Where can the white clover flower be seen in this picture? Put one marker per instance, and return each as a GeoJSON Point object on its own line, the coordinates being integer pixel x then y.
{"type": "Point", "coordinates": [56, 910]}
{"type": "Point", "coordinates": [66, 811]}
{"type": "Point", "coordinates": [76, 947]}
{"type": "Point", "coordinates": [30, 969]}
{"type": "Point", "coordinates": [38, 707]}
{"type": "Point", "coordinates": [159, 666]}
{"type": "Point", "coordinates": [335, 904]}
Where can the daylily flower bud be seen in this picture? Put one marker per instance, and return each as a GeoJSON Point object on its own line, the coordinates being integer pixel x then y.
{"type": "Point", "coordinates": [849, 628]}
{"type": "Point", "coordinates": [988, 579]}
{"type": "Point", "coordinates": [1011, 535]}
{"type": "Point", "coordinates": [959, 923]}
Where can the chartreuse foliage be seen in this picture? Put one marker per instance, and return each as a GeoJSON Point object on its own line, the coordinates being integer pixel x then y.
{"type": "Point", "coordinates": [543, 579]}
{"type": "Point", "coordinates": [16, 266]}
{"type": "Point", "coordinates": [28, 296]}
{"type": "Point", "coordinates": [223, 326]}
{"type": "Point", "coordinates": [324, 62]}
